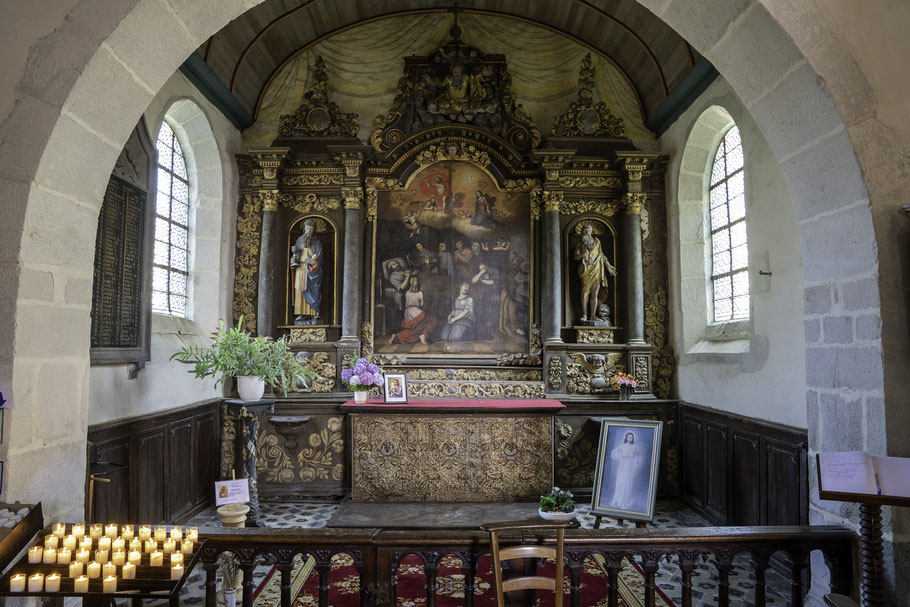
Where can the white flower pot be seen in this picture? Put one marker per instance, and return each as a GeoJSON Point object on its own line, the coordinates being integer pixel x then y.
{"type": "Point", "coordinates": [230, 598]}
{"type": "Point", "coordinates": [556, 516]}
{"type": "Point", "coordinates": [250, 387]}
{"type": "Point", "coordinates": [360, 396]}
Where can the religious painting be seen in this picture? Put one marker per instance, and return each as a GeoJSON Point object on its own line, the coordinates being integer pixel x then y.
{"type": "Point", "coordinates": [311, 272]}
{"type": "Point", "coordinates": [396, 388]}
{"type": "Point", "coordinates": [452, 265]}
{"type": "Point", "coordinates": [625, 481]}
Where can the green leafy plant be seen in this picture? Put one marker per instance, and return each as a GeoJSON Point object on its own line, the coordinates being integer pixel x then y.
{"type": "Point", "coordinates": [558, 500]}
{"type": "Point", "coordinates": [236, 352]}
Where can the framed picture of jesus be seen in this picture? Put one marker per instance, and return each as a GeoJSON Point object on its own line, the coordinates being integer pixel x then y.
{"type": "Point", "coordinates": [625, 480]}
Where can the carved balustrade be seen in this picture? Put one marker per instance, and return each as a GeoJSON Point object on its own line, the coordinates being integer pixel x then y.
{"type": "Point", "coordinates": [378, 552]}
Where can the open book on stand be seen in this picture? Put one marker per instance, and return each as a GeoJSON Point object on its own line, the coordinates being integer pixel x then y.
{"type": "Point", "coordinates": [857, 472]}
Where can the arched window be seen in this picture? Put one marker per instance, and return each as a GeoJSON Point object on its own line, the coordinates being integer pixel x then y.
{"type": "Point", "coordinates": [170, 271]}
{"type": "Point", "coordinates": [729, 253]}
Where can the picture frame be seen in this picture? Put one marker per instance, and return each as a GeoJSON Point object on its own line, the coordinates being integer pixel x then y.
{"type": "Point", "coordinates": [625, 479]}
{"type": "Point", "coordinates": [396, 388]}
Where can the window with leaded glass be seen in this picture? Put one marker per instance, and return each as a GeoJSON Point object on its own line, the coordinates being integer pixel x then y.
{"type": "Point", "coordinates": [729, 254]}
{"type": "Point", "coordinates": [169, 271]}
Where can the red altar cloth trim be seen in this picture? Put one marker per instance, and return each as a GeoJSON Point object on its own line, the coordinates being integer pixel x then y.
{"type": "Point", "coordinates": [537, 404]}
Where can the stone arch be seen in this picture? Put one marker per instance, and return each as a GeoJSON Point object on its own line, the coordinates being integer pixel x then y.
{"type": "Point", "coordinates": [67, 138]}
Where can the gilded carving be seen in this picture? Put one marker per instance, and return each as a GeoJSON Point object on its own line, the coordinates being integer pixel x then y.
{"type": "Point", "coordinates": [317, 116]}
{"type": "Point", "coordinates": [273, 460]}
{"type": "Point", "coordinates": [663, 360]}
{"type": "Point", "coordinates": [552, 201]}
{"type": "Point", "coordinates": [605, 208]}
{"type": "Point", "coordinates": [373, 186]}
{"type": "Point", "coordinates": [588, 374]}
{"type": "Point", "coordinates": [596, 181]}
{"type": "Point", "coordinates": [635, 202]}
{"type": "Point", "coordinates": [554, 376]}
{"type": "Point", "coordinates": [308, 335]}
{"type": "Point", "coordinates": [320, 460]}
{"type": "Point", "coordinates": [246, 263]}
{"type": "Point", "coordinates": [532, 358]}
{"type": "Point", "coordinates": [475, 389]}
{"type": "Point", "coordinates": [519, 185]}
{"type": "Point", "coordinates": [228, 440]}
{"type": "Point", "coordinates": [478, 458]}
{"type": "Point", "coordinates": [318, 362]}
{"type": "Point", "coordinates": [314, 179]}
{"type": "Point", "coordinates": [452, 151]}
{"type": "Point", "coordinates": [536, 195]}
{"type": "Point", "coordinates": [641, 372]}
{"type": "Point", "coordinates": [584, 117]}
{"type": "Point", "coordinates": [386, 360]}
{"type": "Point", "coordinates": [353, 197]}
{"type": "Point", "coordinates": [595, 336]}
{"type": "Point", "coordinates": [269, 199]}
{"type": "Point", "coordinates": [366, 339]}
{"type": "Point", "coordinates": [415, 373]}
{"type": "Point", "coordinates": [576, 455]}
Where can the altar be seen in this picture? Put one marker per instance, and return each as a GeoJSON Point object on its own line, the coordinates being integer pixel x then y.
{"type": "Point", "coordinates": [438, 450]}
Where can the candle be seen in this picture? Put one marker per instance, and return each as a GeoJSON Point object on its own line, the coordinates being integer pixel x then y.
{"type": "Point", "coordinates": [156, 559]}
{"type": "Point", "coordinates": [109, 584]}
{"type": "Point", "coordinates": [59, 529]}
{"type": "Point", "coordinates": [170, 546]}
{"type": "Point", "coordinates": [192, 534]}
{"type": "Point", "coordinates": [80, 584]}
{"type": "Point", "coordinates": [118, 544]}
{"type": "Point", "coordinates": [82, 556]}
{"type": "Point", "coordinates": [145, 532]}
{"type": "Point", "coordinates": [129, 571]}
{"type": "Point", "coordinates": [118, 557]}
{"type": "Point", "coordinates": [126, 532]}
{"type": "Point", "coordinates": [101, 556]}
{"type": "Point", "coordinates": [78, 530]}
{"type": "Point", "coordinates": [36, 582]}
{"type": "Point", "coordinates": [96, 531]}
{"type": "Point", "coordinates": [176, 534]}
{"type": "Point", "coordinates": [104, 543]}
{"type": "Point", "coordinates": [176, 572]}
{"type": "Point", "coordinates": [75, 569]}
{"type": "Point", "coordinates": [109, 569]}
{"type": "Point", "coordinates": [64, 555]}
{"type": "Point", "coordinates": [86, 543]}
{"type": "Point", "coordinates": [34, 554]}
{"type": "Point", "coordinates": [69, 542]}
{"type": "Point", "coordinates": [110, 530]}
{"type": "Point", "coordinates": [151, 545]}
{"type": "Point", "coordinates": [93, 569]}
{"type": "Point", "coordinates": [17, 583]}
{"type": "Point", "coordinates": [52, 583]}
{"type": "Point", "coordinates": [136, 544]}
{"type": "Point", "coordinates": [135, 557]}
{"type": "Point", "coordinates": [160, 534]}
{"type": "Point", "coordinates": [187, 547]}
{"type": "Point", "coordinates": [176, 559]}
{"type": "Point", "coordinates": [51, 541]}
{"type": "Point", "coordinates": [50, 556]}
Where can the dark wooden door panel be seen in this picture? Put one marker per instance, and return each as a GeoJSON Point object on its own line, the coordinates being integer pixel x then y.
{"type": "Point", "coordinates": [784, 478]}
{"type": "Point", "coordinates": [206, 441]}
{"type": "Point", "coordinates": [180, 494]}
{"type": "Point", "coordinates": [150, 476]}
{"type": "Point", "coordinates": [694, 458]}
{"type": "Point", "coordinates": [112, 499]}
{"type": "Point", "coordinates": [746, 477]}
{"type": "Point", "coordinates": [716, 470]}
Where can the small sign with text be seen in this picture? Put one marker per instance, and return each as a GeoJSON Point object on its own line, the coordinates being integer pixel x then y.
{"type": "Point", "coordinates": [232, 492]}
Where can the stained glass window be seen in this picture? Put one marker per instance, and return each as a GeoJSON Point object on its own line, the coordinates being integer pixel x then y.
{"type": "Point", "coordinates": [729, 253]}
{"type": "Point", "coordinates": [170, 272]}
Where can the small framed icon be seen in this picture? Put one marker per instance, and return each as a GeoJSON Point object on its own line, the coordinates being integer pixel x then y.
{"type": "Point", "coordinates": [396, 388]}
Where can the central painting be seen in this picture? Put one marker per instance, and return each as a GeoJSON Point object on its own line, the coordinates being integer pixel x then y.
{"type": "Point", "coordinates": [453, 265]}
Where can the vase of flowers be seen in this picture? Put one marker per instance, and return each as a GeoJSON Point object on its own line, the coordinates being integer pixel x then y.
{"type": "Point", "coordinates": [624, 384]}
{"type": "Point", "coordinates": [360, 377]}
{"type": "Point", "coordinates": [557, 505]}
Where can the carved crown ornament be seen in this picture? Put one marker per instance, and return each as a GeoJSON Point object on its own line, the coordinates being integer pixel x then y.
{"type": "Point", "coordinates": [317, 116]}
{"type": "Point", "coordinates": [584, 117]}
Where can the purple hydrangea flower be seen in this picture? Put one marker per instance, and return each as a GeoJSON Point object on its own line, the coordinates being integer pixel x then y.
{"type": "Point", "coordinates": [359, 369]}
{"type": "Point", "coordinates": [361, 361]}
{"type": "Point", "coordinates": [373, 368]}
{"type": "Point", "coordinates": [378, 379]}
{"type": "Point", "coordinates": [346, 374]}
{"type": "Point", "coordinates": [366, 378]}
{"type": "Point", "coordinates": [354, 381]}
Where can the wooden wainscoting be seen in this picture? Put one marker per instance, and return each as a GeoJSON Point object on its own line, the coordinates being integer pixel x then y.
{"type": "Point", "coordinates": [743, 471]}
{"type": "Point", "coordinates": [171, 460]}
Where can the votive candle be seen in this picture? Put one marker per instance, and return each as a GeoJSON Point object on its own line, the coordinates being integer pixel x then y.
{"type": "Point", "coordinates": [75, 569]}
{"type": "Point", "coordinates": [93, 569]}
{"type": "Point", "coordinates": [160, 534]}
{"type": "Point", "coordinates": [70, 542]}
{"type": "Point", "coordinates": [192, 534]}
{"type": "Point", "coordinates": [109, 584]}
{"type": "Point", "coordinates": [80, 584]}
{"type": "Point", "coordinates": [176, 572]}
{"type": "Point", "coordinates": [187, 547]}
{"type": "Point", "coordinates": [64, 556]}
{"type": "Point", "coordinates": [151, 545]}
{"type": "Point", "coordinates": [136, 544]}
{"type": "Point", "coordinates": [96, 531]}
{"type": "Point", "coordinates": [126, 532]}
{"type": "Point", "coordinates": [118, 557]}
{"type": "Point", "coordinates": [17, 583]}
{"type": "Point", "coordinates": [59, 529]}
{"type": "Point", "coordinates": [109, 569]}
{"type": "Point", "coordinates": [170, 546]}
{"type": "Point", "coordinates": [176, 534]}
{"type": "Point", "coordinates": [145, 532]}
{"type": "Point", "coordinates": [129, 571]}
{"type": "Point", "coordinates": [104, 543]}
{"type": "Point", "coordinates": [156, 559]}
{"type": "Point", "coordinates": [82, 556]}
{"type": "Point", "coordinates": [78, 530]}
{"type": "Point", "coordinates": [36, 582]}
{"type": "Point", "coordinates": [135, 557]}
{"type": "Point", "coordinates": [101, 556]}
{"type": "Point", "coordinates": [34, 554]}
{"type": "Point", "coordinates": [52, 583]}
{"type": "Point", "coordinates": [118, 544]}
{"type": "Point", "coordinates": [86, 543]}
{"type": "Point", "coordinates": [176, 559]}
{"type": "Point", "coordinates": [51, 541]}
{"type": "Point", "coordinates": [50, 556]}
{"type": "Point", "coordinates": [110, 530]}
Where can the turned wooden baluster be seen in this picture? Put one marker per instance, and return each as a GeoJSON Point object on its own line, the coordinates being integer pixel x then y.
{"type": "Point", "coordinates": [687, 562]}
{"type": "Point", "coordinates": [210, 575]}
{"type": "Point", "coordinates": [872, 589]}
{"type": "Point", "coordinates": [724, 560]}
{"type": "Point", "coordinates": [760, 566]}
{"type": "Point", "coordinates": [613, 564]}
{"type": "Point", "coordinates": [468, 565]}
{"type": "Point", "coordinates": [576, 563]}
{"type": "Point", "coordinates": [649, 566]}
{"type": "Point", "coordinates": [323, 568]}
{"type": "Point", "coordinates": [796, 578]}
{"type": "Point", "coordinates": [431, 569]}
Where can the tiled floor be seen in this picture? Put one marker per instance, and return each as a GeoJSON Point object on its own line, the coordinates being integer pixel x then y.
{"type": "Point", "coordinates": [670, 514]}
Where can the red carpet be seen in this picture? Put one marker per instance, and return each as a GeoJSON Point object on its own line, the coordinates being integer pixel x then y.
{"type": "Point", "coordinates": [345, 585]}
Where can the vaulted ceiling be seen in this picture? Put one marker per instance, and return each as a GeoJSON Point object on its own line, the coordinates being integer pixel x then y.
{"type": "Point", "coordinates": [248, 51]}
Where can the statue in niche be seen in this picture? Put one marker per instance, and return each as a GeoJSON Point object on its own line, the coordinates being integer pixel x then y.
{"type": "Point", "coordinates": [593, 267]}
{"type": "Point", "coordinates": [307, 260]}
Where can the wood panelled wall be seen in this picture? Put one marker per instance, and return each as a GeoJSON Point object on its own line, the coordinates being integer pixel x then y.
{"type": "Point", "coordinates": [171, 461]}
{"type": "Point", "coordinates": [742, 471]}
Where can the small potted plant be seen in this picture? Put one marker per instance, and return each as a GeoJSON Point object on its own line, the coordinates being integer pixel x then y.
{"type": "Point", "coordinates": [624, 384]}
{"type": "Point", "coordinates": [231, 578]}
{"type": "Point", "coordinates": [254, 361]}
{"type": "Point", "coordinates": [361, 377]}
{"type": "Point", "coordinates": [557, 505]}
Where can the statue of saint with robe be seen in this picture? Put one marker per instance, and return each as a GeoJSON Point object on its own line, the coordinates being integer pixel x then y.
{"type": "Point", "coordinates": [593, 268]}
{"type": "Point", "coordinates": [306, 259]}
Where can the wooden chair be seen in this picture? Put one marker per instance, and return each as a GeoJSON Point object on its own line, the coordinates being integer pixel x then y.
{"type": "Point", "coordinates": [839, 600]}
{"type": "Point", "coordinates": [525, 551]}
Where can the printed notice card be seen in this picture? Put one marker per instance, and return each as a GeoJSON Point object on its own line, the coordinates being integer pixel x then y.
{"type": "Point", "coordinates": [232, 492]}
{"type": "Point", "coordinates": [859, 472]}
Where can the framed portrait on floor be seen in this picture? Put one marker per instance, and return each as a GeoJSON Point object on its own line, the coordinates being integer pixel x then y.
{"type": "Point", "coordinates": [396, 388]}
{"type": "Point", "coordinates": [625, 480]}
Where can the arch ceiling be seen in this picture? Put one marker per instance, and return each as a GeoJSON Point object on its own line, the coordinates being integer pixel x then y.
{"type": "Point", "coordinates": [245, 53]}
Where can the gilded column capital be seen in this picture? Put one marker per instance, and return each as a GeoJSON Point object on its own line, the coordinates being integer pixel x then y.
{"type": "Point", "coordinates": [634, 202]}
{"type": "Point", "coordinates": [353, 196]}
{"type": "Point", "coordinates": [269, 199]}
{"type": "Point", "coordinates": [553, 200]}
